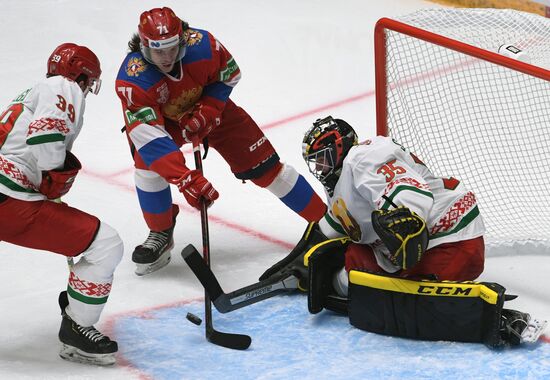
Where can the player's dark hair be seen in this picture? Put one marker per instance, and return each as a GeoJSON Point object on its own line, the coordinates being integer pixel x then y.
{"type": "Point", "coordinates": [133, 44]}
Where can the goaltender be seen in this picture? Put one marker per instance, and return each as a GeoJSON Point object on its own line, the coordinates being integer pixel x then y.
{"type": "Point", "coordinates": [399, 247]}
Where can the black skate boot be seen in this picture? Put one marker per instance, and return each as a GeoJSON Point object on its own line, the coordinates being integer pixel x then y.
{"type": "Point", "coordinates": [154, 253]}
{"type": "Point", "coordinates": [83, 344]}
{"type": "Point", "coordinates": [518, 327]}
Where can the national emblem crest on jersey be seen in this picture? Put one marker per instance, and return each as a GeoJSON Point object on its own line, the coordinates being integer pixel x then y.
{"type": "Point", "coordinates": [194, 37]}
{"type": "Point", "coordinates": [135, 67]}
{"type": "Point", "coordinates": [178, 106]}
{"type": "Point", "coordinates": [347, 221]}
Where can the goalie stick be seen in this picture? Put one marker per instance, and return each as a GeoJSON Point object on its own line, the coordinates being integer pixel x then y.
{"type": "Point", "coordinates": [219, 338]}
{"type": "Point", "coordinates": [226, 302]}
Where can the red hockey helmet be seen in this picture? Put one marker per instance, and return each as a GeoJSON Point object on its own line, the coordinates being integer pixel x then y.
{"type": "Point", "coordinates": [77, 63]}
{"type": "Point", "coordinates": [159, 29]}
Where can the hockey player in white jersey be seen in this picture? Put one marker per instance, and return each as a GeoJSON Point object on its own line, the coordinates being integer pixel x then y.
{"type": "Point", "coordinates": [380, 174]}
{"type": "Point", "coordinates": [37, 132]}
{"type": "Point", "coordinates": [394, 233]}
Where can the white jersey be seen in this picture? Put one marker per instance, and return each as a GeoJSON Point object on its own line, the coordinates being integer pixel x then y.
{"type": "Point", "coordinates": [36, 129]}
{"type": "Point", "coordinates": [378, 171]}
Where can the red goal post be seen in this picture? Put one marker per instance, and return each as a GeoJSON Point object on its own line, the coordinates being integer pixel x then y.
{"type": "Point", "coordinates": [445, 91]}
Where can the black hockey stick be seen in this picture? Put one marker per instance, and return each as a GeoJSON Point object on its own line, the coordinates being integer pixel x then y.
{"type": "Point", "coordinates": [234, 341]}
{"type": "Point", "coordinates": [248, 295]}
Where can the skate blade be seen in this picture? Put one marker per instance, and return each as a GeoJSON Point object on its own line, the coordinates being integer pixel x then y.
{"type": "Point", "coordinates": [533, 331]}
{"type": "Point", "coordinates": [144, 269]}
{"type": "Point", "coordinates": [73, 354]}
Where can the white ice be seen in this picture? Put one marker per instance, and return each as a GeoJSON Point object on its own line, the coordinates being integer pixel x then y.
{"type": "Point", "coordinates": [300, 60]}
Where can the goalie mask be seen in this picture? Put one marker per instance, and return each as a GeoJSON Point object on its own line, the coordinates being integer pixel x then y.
{"type": "Point", "coordinates": [324, 148]}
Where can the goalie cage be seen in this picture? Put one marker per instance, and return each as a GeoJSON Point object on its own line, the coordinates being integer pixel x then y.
{"type": "Point", "coordinates": [444, 91]}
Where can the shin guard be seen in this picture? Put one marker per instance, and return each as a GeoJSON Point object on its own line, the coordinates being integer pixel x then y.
{"type": "Point", "coordinates": [323, 261]}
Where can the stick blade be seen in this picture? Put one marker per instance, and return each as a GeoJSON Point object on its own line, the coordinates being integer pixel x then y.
{"type": "Point", "coordinates": [202, 271]}
{"type": "Point", "coordinates": [228, 340]}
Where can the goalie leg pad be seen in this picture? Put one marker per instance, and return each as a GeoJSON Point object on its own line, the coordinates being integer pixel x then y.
{"type": "Point", "coordinates": [427, 310]}
{"type": "Point", "coordinates": [293, 263]}
{"type": "Point", "coordinates": [323, 261]}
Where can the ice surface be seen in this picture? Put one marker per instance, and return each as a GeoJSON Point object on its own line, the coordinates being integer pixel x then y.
{"type": "Point", "coordinates": [300, 60]}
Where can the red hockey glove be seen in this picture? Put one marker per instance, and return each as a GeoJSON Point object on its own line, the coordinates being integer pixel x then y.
{"type": "Point", "coordinates": [56, 183]}
{"type": "Point", "coordinates": [201, 121]}
{"type": "Point", "coordinates": [194, 186]}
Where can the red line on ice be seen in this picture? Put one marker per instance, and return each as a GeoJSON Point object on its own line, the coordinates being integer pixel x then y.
{"type": "Point", "coordinates": [140, 313]}
{"type": "Point", "coordinates": [145, 312]}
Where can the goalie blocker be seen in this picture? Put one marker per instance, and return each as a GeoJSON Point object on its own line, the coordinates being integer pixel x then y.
{"type": "Point", "coordinates": [425, 310]}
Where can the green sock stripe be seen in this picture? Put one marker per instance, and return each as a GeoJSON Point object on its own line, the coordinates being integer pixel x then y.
{"type": "Point", "coordinates": [85, 299]}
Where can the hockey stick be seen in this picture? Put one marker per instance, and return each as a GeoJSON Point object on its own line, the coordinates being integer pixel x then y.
{"type": "Point", "coordinates": [226, 302]}
{"type": "Point", "coordinates": [234, 341]}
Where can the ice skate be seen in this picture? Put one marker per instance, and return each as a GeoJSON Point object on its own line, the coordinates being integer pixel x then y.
{"type": "Point", "coordinates": [154, 253]}
{"type": "Point", "coordinates": [83, 344]}
{"type": "Point", "coordinates": [518, 327]}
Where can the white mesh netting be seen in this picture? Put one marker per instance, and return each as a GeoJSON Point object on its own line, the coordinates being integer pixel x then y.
{"type": "Point", "coordinates": [480, 122]}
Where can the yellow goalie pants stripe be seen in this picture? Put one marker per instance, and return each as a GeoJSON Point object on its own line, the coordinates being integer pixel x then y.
{"type": "Point", "coordinates": [342, 240]}
{"type": "Point", "coordinates": [424, 288]}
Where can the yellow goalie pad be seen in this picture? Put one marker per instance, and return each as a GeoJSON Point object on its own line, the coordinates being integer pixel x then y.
{"type": "Point", "coordinates": [427, 310]}
{"type": "Point", "coordinates": [425, 288]}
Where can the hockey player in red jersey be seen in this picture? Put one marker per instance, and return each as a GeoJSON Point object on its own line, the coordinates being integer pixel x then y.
{"type": "Point", "coordinates": [37, 132]}
{"type": "Point", "coordinates": [174, 86]}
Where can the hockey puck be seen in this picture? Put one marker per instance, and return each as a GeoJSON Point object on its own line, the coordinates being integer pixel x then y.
{"type": "Point", "coordinates": [194, 319]}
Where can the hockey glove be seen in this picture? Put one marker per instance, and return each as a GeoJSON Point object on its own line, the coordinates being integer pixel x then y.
{"type": "Point", "coordinates": [56, 183]}
{"type": "Point", "coordinates": [194, 186]}
{"type": "Point", "coordinates": [201, 121]}
{"type": "Point", "coordinates": [404, 234]}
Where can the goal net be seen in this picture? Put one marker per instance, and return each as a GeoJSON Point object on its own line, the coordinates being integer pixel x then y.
{"type": "Point", "coordinates": [468, 90]}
